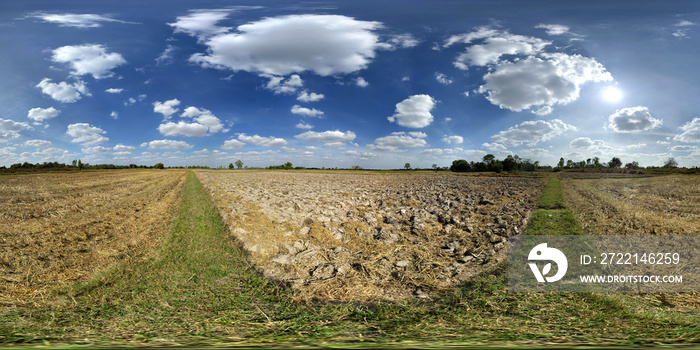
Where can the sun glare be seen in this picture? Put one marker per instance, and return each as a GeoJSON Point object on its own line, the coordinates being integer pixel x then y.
{"type": "Point", "coordinates": [612, 94]}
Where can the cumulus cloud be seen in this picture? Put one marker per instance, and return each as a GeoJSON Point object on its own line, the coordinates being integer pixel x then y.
{"type": "Point", "coordinates": [37, 143]}
{"type": "Point", "coordinates": [114, 90]}
{"type": "Point", "coordinates": [232, 144]}
{"type": "Point", "coordinates": [684, 149]}
{"type": "Point", "coordinates": [442, 78]}
{"type": "Point", "coordinates": [632, 120]}
{"type": "Point", "coordinates": [167, 55]}
{"type": "Point", "coordinates": [201, 23]}
{"type": "Point", "coordinates": [205, 123]}
{"type": "Point", "coordinates": [307, 112]}
{"type": "Point", "coordinates": [86, 20]}
{"type": "Point", "coordinates": [453, 139]}
{"type": "Point", "coordinates": [88, 59]}
{"type": "Point", "coordinates": [9, 129]}
{"type": "Point", "coordinates": [361, 82]}
{"type": "Point", "coordinates": [434, 152]}
{"type": "Point", "coordinates": [535, 82]}
{"type": "Point", "coordinates": [494, 45]}
{"type": "Point", "coordinates": [414, 112]}
{"type": "Point", "coordinates": [166, 108]}
{"type": "Point", "coordinates": [305, 96]}
{"type": "Point", "coordinates": [554, 29]}
{"type": "Point", "coordinates": [281, 86]}
{"type": "Point", "coordinates": [401, 41]}
{"type": "Point", "coordinates": [41, 114]}
{"type": "Point", "coordinates": [302, 125]}
{"type": "Point", "coordinates": [494, 146]}
{"type": "Point", "coordinates": [691, 132]}
{"type": "Point", "coordinates": [323, 44]}
{"type": "Point", "coordinates": [123, 148]}
{"type": "Point", "coordinates": [86, 134]}
{"type": "Point", "coordinates": [586, 143]}
{"type": "Point", "coordinates": [327, 136]}
{"type": "Point", "coordinates": [96, 150]}
{"type": "Point", "coordinates": [395, 140]}
{"type": "Point", "coordinates": [63, 92]}
{"type": "Point", "coordinates": [532, 132]}
{"type": "Point", "coordinates": [166, 144]}
{"type": "Point", "coordinates": [533, 78]}
{"type": "Point", "coordinates": [263, 141]}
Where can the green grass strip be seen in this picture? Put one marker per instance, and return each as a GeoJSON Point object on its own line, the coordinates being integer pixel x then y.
{"type": "Point", "coordinates": [551, 216]}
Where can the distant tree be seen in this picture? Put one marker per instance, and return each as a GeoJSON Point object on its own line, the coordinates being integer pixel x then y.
{"type": "Point", "coordinates": [239, 164]}
{"type": "Point", "coordinates": [615, 162]}
{"type": "Point", "coordinates": [460, 165]}
{"type": "Point", "coordinates": [596, 162]}
{"type": "Point", "coordinates": [488, 159]}
{"type": "Point", "coordinates": [356, 167]}
{"type": "Point", "coordinates": [80, 164]}
{"type": "Point", "coordinates": [407, 166]}
{"type": "Point", "coordinates": [230, 165]}
{"type": "Point", "coordinates": [569, 164]}
{"type": "Point", "coordinates": [632, 165]}
{"type": "Point", "coordinates": [288, 165]}
{"type": "Point", "coordinates": [435, 167]}
{"type": "Point", "coordinates": [670, 163]}
{"type": "Point", "coordinates": [588, 162]}
{"type": "Point", "coordinates": [561, 163]}
{"type": "Point", "coordinates": [159, 166]}
{"type": "Point", "coordinates": [510, 163]}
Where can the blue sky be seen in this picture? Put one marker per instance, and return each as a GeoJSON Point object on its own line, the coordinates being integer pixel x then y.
{"type": "Point", "coordinates": [368, 83]}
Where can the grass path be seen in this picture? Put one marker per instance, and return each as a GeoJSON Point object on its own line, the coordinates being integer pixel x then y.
{"type": "Point", "coordinates": [551, 217]}
{"type": "Point", "coordinates": [199, 290]}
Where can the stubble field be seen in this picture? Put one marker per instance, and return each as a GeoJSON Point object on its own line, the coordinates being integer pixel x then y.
{"type": "Point", "coordinates": [57, 229]}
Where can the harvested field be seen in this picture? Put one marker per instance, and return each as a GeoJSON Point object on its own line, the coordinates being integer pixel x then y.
{"type": "Point", "coordinates": [668, 205]}
{"type": "Point", "coordinates": [345, 236]}
{"type": "Point", "coordinates": [61, 228]}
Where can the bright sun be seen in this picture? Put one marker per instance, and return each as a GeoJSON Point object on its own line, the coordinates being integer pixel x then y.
{"type": "Point", "coordinates": [612, 94]}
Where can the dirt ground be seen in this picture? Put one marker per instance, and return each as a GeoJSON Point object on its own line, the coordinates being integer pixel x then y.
{"type": "Point", "coordinates": [360, 236]}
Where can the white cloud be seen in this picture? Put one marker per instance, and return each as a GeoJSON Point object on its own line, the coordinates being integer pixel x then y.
{"type": "Point", "coordinates": [201, 23]}
{"type": "Point", "coordinates": [262, 141]}
{"type": "Point", "coordinates": [442, 78]}
{"type": "Point", "coordinates": [86, 134]}
{"type": "Point", "coordinates": [281, 86]}
{"type": "Point", "coordinates": [166, 144]}
{"type": "Point", "coordinates": [9, 129]}
{"type": "Point", "coordinates": [493, 146]}
{"type": "Point", "coordinates": [182, 128]}
{"type": "Point", "coordinates": [37, 143]}
{"type": "Point", "coordinates": [398, 139]}
{"type": "Point", "coordinates": [123, 148]}
{"type": "Point", "coordinates": [323, 44]}
{"type": "Point", "coordinates": [114, 115]}
{"type": "Point", "coordinates": [535, 81]}
{"type": "Point", "coordinates": [532, 132]}
{"type": "Point", "coordinates": [586, 143]}
{"type": "Point", "coordinates": [206, 118]}
{"type": "Point", "coordinates": [41, 114]}
{"type": "Point", "coordinates": [167, 55]}
{"type": "Point", "coordinates": [632, 120]}
{"type": "Point", "coordinates": [433, 152]}
{"type": "Point", "coordinates": [361, 82]}
{"type": "Point", "coordinates": [414, 112]}
{"type": "Point", "coordinates": [87, 20]}
{"type": "Point", "coordinates": [63, 92]}
{"type": "Point", "coordinates": [96, 150]}
{"type": "Point", "coordinates": [232, 144]}
{"type": "Point", "coordinates": [401, 41]}
{"type": "Point", "coordinates": [682, 29]}
{"type": "Point", "coordinates": [88, 59]}
{"type": "Point", "coordinates": [309, 97]}
{"type": "Point", "coordinates": [166, 108]}
{"type": "Point", "coordinates": [327, 136]}
{"type": "Point", "coordinates": [691, 132]}
{"type": "Point", "coordinates": [114, 90]}
{"type": "Point", "coordinates": [302, 125]}
{"type": "Point", "coordinates": [495, 44]}
{"type": "Point", "coordinates": [308, 112]}
{"type": "Point", "coordinates": [684, 148]}
{"type": "Point", "coordinates": [453, 139]}
{"type": "Point", "coordinates": [554, 29]}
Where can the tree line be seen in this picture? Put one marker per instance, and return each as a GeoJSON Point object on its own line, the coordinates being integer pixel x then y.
{"type": "Point", "coordinates": [515, 163]}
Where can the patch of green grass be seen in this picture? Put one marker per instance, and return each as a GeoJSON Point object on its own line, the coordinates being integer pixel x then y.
{"type": "Point", "coordinates": [200, 290]}
{"type": "Point", "coordinates": [552, 197]}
